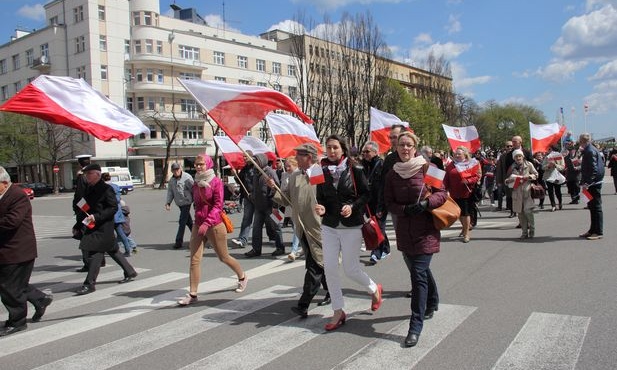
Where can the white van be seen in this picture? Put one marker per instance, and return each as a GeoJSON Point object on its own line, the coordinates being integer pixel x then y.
{"type": "Point", "coordinates": [121, 177]}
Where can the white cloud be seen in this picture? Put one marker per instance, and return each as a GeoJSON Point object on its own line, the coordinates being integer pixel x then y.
{"type": "Point", "coordinates": [454, 25]}
{"type": "Point", "coordinates": [463, 82]}
{"type": "Point", "coordinates": [602, 101]}
{"type": "Point", "coordinates": [609, 70]}
{"type": "Point", "coordinates": [558, 71]}
{"type": "Point", "coordinates": [595, 4]}
{"type": "Point", "coordinates": [449, 50]}
{"type": "Point", "coordinates": [215, 20]}
{"type": "Point", "coordinates": [334, 4]}
{"type": "Point", "coordinates": [289, 26]}
{"type": "Point", "coordinates": [36, 12]}
{"type": "Point", "coordinates": [593, 35]}
{"type": "Point", "coordinates": [423, 39]}
{"type": "Point", "coordinates": [606, 85]}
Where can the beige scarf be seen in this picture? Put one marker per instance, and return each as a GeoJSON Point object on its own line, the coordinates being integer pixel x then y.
{"type": "Point", "coordinates": [203, 178]}
{"type": "Point", "coordinates": [409, 168]}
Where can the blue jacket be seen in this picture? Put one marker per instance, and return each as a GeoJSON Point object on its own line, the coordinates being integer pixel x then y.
{"type": "Point", "coordinates": [592, 165]}
{"type": "Point", "coordinates": [118, 216]}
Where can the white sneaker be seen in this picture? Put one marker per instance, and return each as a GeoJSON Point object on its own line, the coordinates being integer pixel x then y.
{"type": "Point", "coordinates": [291, 256]}
{"type": "Point", "coordinates": [187, 300]}
{"type": "Point", "coordinates": [238, 243]}
{"type": "Point", "coordinates": [242, 284]}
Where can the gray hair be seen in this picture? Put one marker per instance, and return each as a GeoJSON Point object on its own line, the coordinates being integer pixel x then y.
{"type": "Point", "coordinates": [585, 138]}
{"type": "Point", "coordinates": [374, 146]}
{"type": "Point", "coordinates": [4, 176]}
{"type": "Point", "coordinates": [425, 149]}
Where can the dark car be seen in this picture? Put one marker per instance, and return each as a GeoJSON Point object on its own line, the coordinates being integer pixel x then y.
{"type": "Point", "coordinates": [29, 192]}
{"type": "Point", "coordinates": [40, 188]}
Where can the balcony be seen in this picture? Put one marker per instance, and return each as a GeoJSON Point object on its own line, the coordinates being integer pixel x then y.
{"type": "Point", "coordinates": [42, 64]}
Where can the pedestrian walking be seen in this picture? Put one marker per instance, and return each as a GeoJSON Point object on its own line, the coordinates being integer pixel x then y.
{"type": "Point", "coordinates": [519, 178]}
{"type": "Point", "coordinates": [245, 178]}
{"type": "Point", "coordinates": [179, 190]}
{"type": "Point", "coordinates": [592, 176]}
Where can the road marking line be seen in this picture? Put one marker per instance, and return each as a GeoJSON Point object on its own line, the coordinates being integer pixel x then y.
{"type": "Point", "coordinates": [546, 341]}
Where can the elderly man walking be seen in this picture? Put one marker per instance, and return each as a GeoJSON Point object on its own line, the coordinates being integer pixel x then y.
{"type": "Point", "coordinates": [180, 190]}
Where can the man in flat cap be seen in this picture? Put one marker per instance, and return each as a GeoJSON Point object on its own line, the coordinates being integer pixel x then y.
{"type": "Point", "coordinates": [300, 195]}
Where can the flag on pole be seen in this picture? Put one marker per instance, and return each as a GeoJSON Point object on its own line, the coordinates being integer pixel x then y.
{"type": "Point", "coordinates": [237, 108]}
{"type": "Point", "coordinates": [288, 132]}
{"type": "Point", "coordinates": [586, 195]}
{"type": "Point", "coordinates": [83, 205]}
{"type": "Point", "coordinates": [434, 177]}
{"type": "Point", "coordinates": [315, 174]}
{"type": "Point", "coordinates": [234, 155]}
{"type": "Point", "coordinates": [543, 136]}
{"type": "Point", "coordinates": [463, 136]}
{"type": "Point", "coordinates": [72, 102]}
{"type": "Point", "coordinates": [381, 123]}
{"type": "Point", "coordinates": [468, 168]}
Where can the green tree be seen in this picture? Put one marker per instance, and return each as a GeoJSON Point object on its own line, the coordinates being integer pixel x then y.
{"type": "Point", "coordinates": [498, 123]}
{"type": "Point", "coordinates": [17, 139]}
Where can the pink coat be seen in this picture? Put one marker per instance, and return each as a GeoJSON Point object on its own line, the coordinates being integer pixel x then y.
{"type": "Point", "coordinates": [208, 202]}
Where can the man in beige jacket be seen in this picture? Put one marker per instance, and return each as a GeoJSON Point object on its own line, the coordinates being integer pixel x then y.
{"type": "Point", "coordinates": [300, 195]}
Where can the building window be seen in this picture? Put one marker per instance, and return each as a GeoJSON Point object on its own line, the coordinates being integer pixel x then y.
{"type": "Point", "coordinates": [262, 84]}
{"type": "Point", "coordinates": [277, 87]}
{"type": "Point", "coordinates": [219, 58]}
{"type": "Point", "coordinates": [80, 44]}
{"type": "Point", "coordinates": [81, 72]}
{"type": "Point", "coordinates": [244, 82]}
{"type": "Point", "coordinates": [189, 106]}
{"type": "Point", "coordinates": [103, 43]}
{"type": "Point", "coordinates": [16, 62]}
{"type": "Point", "coordinates": [260, 65]}
{"type": "Point", "coordinates": [148, 18]}
{"type": "Point", "coordinates": [188, 52]}
{"type": "Point", "coordinates": [127, 47]}
{"type": "Point", "coordinates": [243, 62]}
{"type": "Point", "coordinates": [159, 76]}
{"type": "Point", "coordinates": [137, 46]}
{"type": "Point", "coordinates": [150, 75]}
{"type": "Point", "coordinates": [101, 12]}
{"type": "Point", "coordinates": [103, 72]}
{"type": "Point", "coordinates": [136, 19]}
{"type": "Point", "coordinates": [149, 47]}
{"type": "Point", "coordinates": [159, 47]}
{"type": "Point", "coordinates": [292, 91]}
{"type": "Point", "coordinates": [161, 104]}
{"type": "Point", "coordinates": [53, 21]}
{"type": "Point", "coordinates": [129, 103]}
{"type": "Point", "coordinates": [152, 132]}
{"type": "Point", "coordinates": [139, 77]}
{"type": "Point", "coordinates": [151, 103]}
{"type": "Point", "coordinates": [192, 132]}
{"type": "Point", "coordinates": [5, 92]}
{"type": "Point", "coordinates": [17, 86]}
{"type": "Point", "coordinates": [140, 103]}
{"type": "Point", "coordinates": [291, 70]}
{"type": "Point", "coordinates": [30, 57]}
{"type": "Point", "coordinates": [188, 76]}
{"type": "Point", "coordinates": [3, 66]}
{"type": "Point", "coordinates": [276, 68]}
{"type": "Point", "coordinates": [45, 50]}
{"type": "Point", "coordinates": [221, 79]}
{"type": "Point", "coordinates": [78, 14]}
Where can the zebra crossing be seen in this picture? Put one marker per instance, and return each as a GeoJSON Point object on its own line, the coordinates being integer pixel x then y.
{"type": "Point", "coordinates": [545, 341]}
{"type": "Point", "coordinates": [49, 227]}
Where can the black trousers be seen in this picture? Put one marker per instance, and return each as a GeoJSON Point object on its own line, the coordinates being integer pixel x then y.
{"type": "Point", "coordinates": [94, 265]}
{"type": "Point", "coordinates": [15, 291]}
{"type": "Point", "coordinates": [313, 278]}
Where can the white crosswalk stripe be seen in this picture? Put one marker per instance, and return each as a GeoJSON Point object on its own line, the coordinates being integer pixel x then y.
{"type": "Point", "coordinates": [47, 227]}
{"type": "Point", "coordinates": [545, 341]}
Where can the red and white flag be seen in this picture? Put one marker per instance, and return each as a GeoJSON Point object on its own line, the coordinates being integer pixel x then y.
{"type": "Point", "coordinates": [463, 136]}
{"type": "Point", "coordinates": [234, 155]}
{"type": "Point", "coordinates": [315, 174]}
{"type": "Point", "coordinates": [518, 180]}
{"type": "Point", "coordinates": [277, 215]}
{"type": "Point", "coordinates": [543, 136]}
{"type": "Point", "coordinates": [72, 102]}
{"type": "Point", "coordinates": [83, 205]}
{"type": "Point", "coordinates": [381, 123]}
{"type": "Point", "coordinates": [468, 168]}
{"type": "Point", "coordinates": [434, 177]}
{"type": "Point", "coordinates": [288, 132]}
{"type": "Point", "coordinates": [554, 156]}
{"type": "Point", "coordinates": [586, 195]}
{"type": "Point", "coordinates": [237, 108]}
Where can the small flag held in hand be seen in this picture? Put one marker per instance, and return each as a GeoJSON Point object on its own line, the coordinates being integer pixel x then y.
{"type": "Point", "coordinates": [434, 177]}
{"type": "Point", "coordinates": [276, 215]}
{"type": "Point", "coordinates": [586, 195]}
{"type": "Point", "coordinates": [316, 176]}
{"type": "Point", "coordinates": [83, 205]}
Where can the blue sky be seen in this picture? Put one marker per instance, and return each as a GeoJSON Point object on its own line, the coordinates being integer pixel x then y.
{"type": "Point", "coordinates": [550, 54]}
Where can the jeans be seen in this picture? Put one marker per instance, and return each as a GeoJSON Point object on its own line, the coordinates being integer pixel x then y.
{"type": "Point", "coordinates": [123, 238]}
{"type": "Point", "coordinates": [423, 289]}
{"type": "Point", "coordinates": [247, 221]}
{"type": "Point", "coordinates": [295, 241]}
{"type": "Point", "coordinates": [185, 221]}
{"type": "Point", "coordinates": [261, 218]}
{"type": "Point", "coordinates": [595, 210]}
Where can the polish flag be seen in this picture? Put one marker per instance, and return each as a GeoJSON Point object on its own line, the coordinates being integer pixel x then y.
{"type": "Point", "coordinates": [288, 132]}
{"type": "Point", "coordinates": [237, 108]}
{"type": "Point", "coordinates": [543, 136]}
{"type": "Point", "coordinates": [554, 156]}
{"type": "Point", "coordinates": [586, 195]}
{"type": "Point", "coordinates": [83, 205]}
{"type": "Point", "coordinates": [468, 168]}
{"type": "Point", "coordinates": [315, 173]}
{"type": "Point", "coordinates": [434, 177]}
{"type": "Point", "coordinates": [518, 180]}
{"type": "Point", "coordinates": [234, 155]}
{"type": "Point", "coordinates": [89, 224]}
{"type": "Point", "coordinates": [276, 215]}
{"type": "Point", "coordinates": [463, 136]}
{"type": "Point", "coordinates": [72, 102]}
{"type": "Point", "coordinates": [381, 123]}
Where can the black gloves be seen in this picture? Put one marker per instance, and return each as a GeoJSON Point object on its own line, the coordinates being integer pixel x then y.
{"type": "Point", "coordinates": [414, 209]}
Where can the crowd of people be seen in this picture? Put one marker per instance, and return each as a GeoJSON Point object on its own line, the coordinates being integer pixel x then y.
{"type": "Point", "coordinates": [326, 217]}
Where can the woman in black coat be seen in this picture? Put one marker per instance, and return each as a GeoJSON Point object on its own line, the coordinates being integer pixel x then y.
{"type": "Point", "coordinates": [98, 208]}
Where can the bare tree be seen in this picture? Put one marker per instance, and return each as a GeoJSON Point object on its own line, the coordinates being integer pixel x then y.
{"type": "Point", "coordinates": [169, 130]}
{"type": "Point", "coordinates": [56, 144]}
{"type": "Point", "coordinates": [439, 86]}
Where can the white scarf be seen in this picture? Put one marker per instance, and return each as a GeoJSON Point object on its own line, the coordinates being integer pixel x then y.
{"type": "Point", "coordinates": [409, 168]}
{"type": "Point", "coordinates": [337, 170]}
{"type": "Point", "coordinates": [203, 178]}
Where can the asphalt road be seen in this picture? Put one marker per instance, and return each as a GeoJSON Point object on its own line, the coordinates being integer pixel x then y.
{"type": "Point", "coordinates": [547, 303]}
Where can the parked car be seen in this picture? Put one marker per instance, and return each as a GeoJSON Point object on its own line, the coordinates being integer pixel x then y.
{"type": "Point", "coordinates": [40, 188]}
{"type": "Point", "coordinates": [29, 192]}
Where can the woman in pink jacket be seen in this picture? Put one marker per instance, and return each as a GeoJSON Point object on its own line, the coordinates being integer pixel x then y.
{"type": "Point", "coordinates": [208, 226]}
